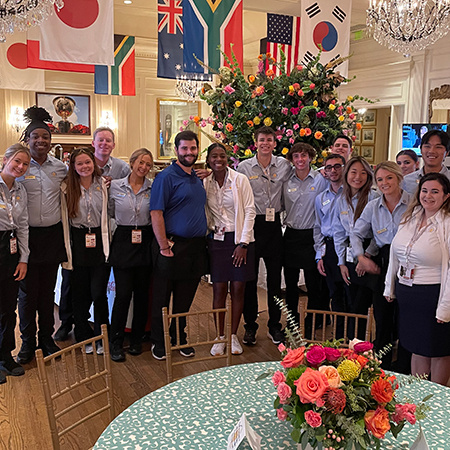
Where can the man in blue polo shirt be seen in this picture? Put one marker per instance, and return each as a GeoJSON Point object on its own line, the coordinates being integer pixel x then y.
{"type": "Point", "coordinates": [177, 207]}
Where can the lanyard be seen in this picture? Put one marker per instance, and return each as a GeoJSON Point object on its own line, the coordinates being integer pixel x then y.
{"type": "Point", "coordinates": [417, 233]}
{"type": "Point", "coordinates": [88, 202]}
{"type": "Point", "coordinates": [135, 206]}
{"type": "Point", "coordinates": [9, 207]}
{"type": "Point", "coordinates": [267, 176]}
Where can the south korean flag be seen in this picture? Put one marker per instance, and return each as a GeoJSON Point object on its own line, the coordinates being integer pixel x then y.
{"type": "Point", "coordinates": [325, 23]}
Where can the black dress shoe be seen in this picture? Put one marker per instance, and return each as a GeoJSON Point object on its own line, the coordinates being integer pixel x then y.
{"type": "Point", "coordinates": [26, 353]}
{"type": "Point", "coordinates": [135, 348]}
{"type": "Point", "coordinates": [63, 331]}
{"type": "Point", "coordinates": [2, 378]}
{"type": "Point", "coordinates": [48, 346]}
{"type": "Point", "coordinates": [116, 352]}
{"type": "Point", "coordinates": [9, 366]}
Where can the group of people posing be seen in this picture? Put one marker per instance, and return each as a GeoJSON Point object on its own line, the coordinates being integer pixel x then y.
{"type": "Point", "coordinates": [362, 238]}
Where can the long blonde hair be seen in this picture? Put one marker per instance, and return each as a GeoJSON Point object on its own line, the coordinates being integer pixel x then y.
{"type": "Point", "coordinates": [13, 150]}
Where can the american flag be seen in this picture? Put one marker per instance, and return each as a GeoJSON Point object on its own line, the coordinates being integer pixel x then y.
{"type": "Point", "coordinates": [285, 31]}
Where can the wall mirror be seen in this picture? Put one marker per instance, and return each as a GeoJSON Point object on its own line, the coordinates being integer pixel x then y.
{"type": "Point", "coordinates": [171, 113]}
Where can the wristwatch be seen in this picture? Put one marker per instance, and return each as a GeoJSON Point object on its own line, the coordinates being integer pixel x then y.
{"type": "Point", "coordinates": [243, 245]}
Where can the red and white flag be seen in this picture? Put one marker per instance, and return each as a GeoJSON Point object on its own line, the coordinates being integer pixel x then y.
{"type": "Point", "coordinates": [14, 70]}
{"type": "Point", "coordinates": [326, 22]}
{"type": "Point", "coordinates": [81, 32]}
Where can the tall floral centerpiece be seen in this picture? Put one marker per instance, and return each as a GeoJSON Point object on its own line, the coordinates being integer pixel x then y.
{"type": "Point", "coordinates": [302, 107]}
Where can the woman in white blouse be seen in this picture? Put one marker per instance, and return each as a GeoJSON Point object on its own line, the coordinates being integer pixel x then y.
{"type": "Point", "coordinates": [418, 277]}
{"type": "Point", "coordinates": [230, 211]}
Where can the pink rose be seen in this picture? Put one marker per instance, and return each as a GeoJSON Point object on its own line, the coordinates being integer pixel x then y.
{"type": "Point", "coordinates": [228, 89]}
{"type": "Point", "coordinates": [289, 132]}
{"type": "Point", "coordinates": [293, 358]}
{"type": "Point", "coordinates": [313, 419]}
{"type": "Point", "coordinates": [362, 347]}
{"type": "Point", "coordinates": [282, 414]}
{"type": "Point", "coordinates": [315, 355]}
{"type": "Point", "coordinates": [284, 111]}
{"type": "Point", "coordinates": [284, 392]}
{"type": "Point", "coordinates": [332, 354]}
{"type": "Point", "coordinates": [278, 377]}
{"type": "Point", "coordinates": [291, 140]}
{"type": "Point", "coordinates": [405, 412]}
{"type": "Point", "coordinates": [311, 386]}
{"type": "Point", "coordinates": [281, 347]}
{"type": "Point", "coordinates": [296, 126]}
{"type": "Point", "coordinates": [332, 375]}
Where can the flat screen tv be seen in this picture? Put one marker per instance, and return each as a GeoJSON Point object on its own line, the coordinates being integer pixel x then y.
{"type": "Point", "coordinates": [413, 132]}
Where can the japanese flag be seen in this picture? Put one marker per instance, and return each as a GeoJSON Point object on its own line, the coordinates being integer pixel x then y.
{"type": "Point", "coordinates": [14, 71]}
{"type": "Point", "coordinates": [81, 32]}
{"type": "Point", "coordinates": [325, 22]}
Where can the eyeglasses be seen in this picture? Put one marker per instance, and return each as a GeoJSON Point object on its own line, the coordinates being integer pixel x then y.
{"type": "Point", "coordinates": [336, 167]}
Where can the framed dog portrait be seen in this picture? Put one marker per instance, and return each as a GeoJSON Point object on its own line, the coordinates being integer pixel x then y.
{"type": "Point", "coordinates": [71, 113]}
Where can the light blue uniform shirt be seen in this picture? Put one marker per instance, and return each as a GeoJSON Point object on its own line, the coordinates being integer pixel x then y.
{"type": "Point", "coordinates": [115, 168]}
{"type": "Point", "coordinates": [323, 226]}
{"type": "Point", "coordinates": [412, 180]}
{"type": "Point", "coordinates": [126, 207]}
{"type": "Point", "coordinates": [343, 223]}
{"type": "Point", "coordinates": [299, 197]}
{"type": "Point", "coordinates": [377, 221]}
{"type": "Point", "coordinates": [16, 204]}
{"type": "Point", "coordinates": [42, 183]}
{"type": "Point", "coordinates": [267, 189]}
{"type": "Point", "coordinates": [90, 207]}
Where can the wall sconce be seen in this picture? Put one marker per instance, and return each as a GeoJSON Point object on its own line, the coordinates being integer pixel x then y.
{"type": "Point", "coordinates": [16, 119]}
{"type": "Point", "coordinates": [107, 120]}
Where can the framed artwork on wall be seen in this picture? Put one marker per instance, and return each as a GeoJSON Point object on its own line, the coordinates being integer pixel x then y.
{"type": "Point", "coordinates": [368, 151]}
{"type": "Point", "coordinates": [356, 150]}
{"type": "Point", "coordinates": [368, 135]}
{"type": "Point", "coordinates": [358, 136]}
{"type": "Point", "coordinates": [71, 113]}
{"type": "Point", "coordinates": [370, 117]}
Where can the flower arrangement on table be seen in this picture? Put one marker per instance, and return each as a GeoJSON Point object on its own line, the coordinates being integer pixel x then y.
{"type": "Point", "coordinates": [302, 107]}
{"type": "Point", "coordinates": [339, 398]}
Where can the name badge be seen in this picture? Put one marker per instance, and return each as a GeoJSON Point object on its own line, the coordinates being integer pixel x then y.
{"type": "Point", "coordinates": [270, 214]}
{"type": "Point", "coordinates": [253, 177]}
{"type": "Point", "coordinates": [30, 177]}
{"type": "Point", "coordinates": [2, 206]}
{"type": "Point", "coordinates": [292, 190]}
{"type": "Point", "coordinates": [326, 202]}
{"type": "Point", "coordinates": [136, 236]}
{"type": "Point", "coordinates": [344, 213]}
{"type": "Point", "coordinates": [349, 255]}
{"type": "Point", "coordinates": [13, 245]}
{"type": "Point", "coordinates": [121, 194]}
{"type": "Point", "coordinates": [219, 234]}
{"type": "Point", "coordinates": [383, 230]}
{"type": "Point", "coordinates": [406, 274]}
{"type": "Point", "coordinates": [90, 240]}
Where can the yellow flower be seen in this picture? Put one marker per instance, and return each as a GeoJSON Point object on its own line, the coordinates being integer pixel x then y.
{"type": "Point", "coordinates": [251, 78]}
{"type": "Point", "coordinates": [324, 153]}
{"type": "Point", "coordinates": [284, 151]}
{"type": "Point", "coordinates": [320, 160]}
{"type": "Point", "coordinates": [291, 88]}
{"type": "Point", "coordinates": [350, 98]}
{"type": "Point", "coordinates": [256, 120]}
{"type": "Point", "coordinates": [237, 104]}
{"type": "Point", "coordinates": [315, 103]}
{"type": "Point", "coordinates": [331, 107]}
{"type": "Point", "coordinates": [248, 152]}
{"type": "Point", "coordinates": [267, 121]}
{"type": "Point", "coordinates": [314, 161]}
{"type": "Point", "coordinates": [341, 118]}
{"type": "Point", "coordinates": [349, 370]}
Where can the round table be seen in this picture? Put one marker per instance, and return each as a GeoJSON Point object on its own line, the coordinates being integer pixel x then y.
{"type": "Point", "coordinates": [200, 411]}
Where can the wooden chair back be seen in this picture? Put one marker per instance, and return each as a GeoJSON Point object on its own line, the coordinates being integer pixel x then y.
{"type": "Point", "coordinates": [201, 331]}
{"type": "Point", "coordinates": [319, 333]}
{"type": "Point", "coordinates": [74, 384]}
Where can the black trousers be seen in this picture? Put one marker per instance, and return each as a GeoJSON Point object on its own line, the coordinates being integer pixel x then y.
{"type": "Point", "coordinates": [89, 285]}
{"type": "Point", "coordinates": [65, 301]}
{"type": "Point", "coordinates": [37, 295]}
{"type": "Point", "coordinates": [8, 302]}
{"type": "Point", "coordinates": [269, 247]}
{"type": "Point", "coordinates": [132, 281]}
{"type": "Point", "coordinates": [298, 246]}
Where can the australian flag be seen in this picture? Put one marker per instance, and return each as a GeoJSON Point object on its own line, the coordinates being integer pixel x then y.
{"type": "Point", "coordinates": [170, 38]}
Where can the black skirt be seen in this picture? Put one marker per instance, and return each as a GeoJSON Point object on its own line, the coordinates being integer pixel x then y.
{"type": "Point", "coordinates": [124, 254]}
{"type": "Point", "coordinates": [419, 331]}
{"type": "Point", "coordinates": [47, 245]}
{"type": "Point", "coordinates": [221, 262]}
{"type": "Point", "coordinates": [83, 256]}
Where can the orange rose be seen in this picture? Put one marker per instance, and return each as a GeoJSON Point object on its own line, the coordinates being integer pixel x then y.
{"type": "Point", "coordinates": [349, 109]}
{"type": "Point", "coordinates": [293, 358]}
{"type": "Point", "coordinates": [229, 127]}
{"type": "Point", "coordinates": [377, 422]}
{"type": "Point", "coordinates": [311, 386]}
{"type": "Point", "coordinates": [332, 375]}
{"type": "Point", "coordinates": [358, 126]}
{"type": "Point", "coordinates": [196, 119]}
{"type": "Point", "coordinates": [382, 391]}
{"type": "Point", "coordinates": [302, 132]}
{"type": "Point", "coordinates": [318, 135]}
{"type": "Point", "coordinates": [250, 123]}
{"type": "Point", "coordinates": [362, 360]}
{"type": "Point", "coordinates": [252, 78]}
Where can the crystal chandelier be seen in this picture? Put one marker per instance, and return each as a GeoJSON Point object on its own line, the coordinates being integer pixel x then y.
{"type": "Point", "coordinates": [189, 84]}
{"type": "Point", "coordinates": [408, 26]}
{"type": "Point", "coordinates": [18, 15]}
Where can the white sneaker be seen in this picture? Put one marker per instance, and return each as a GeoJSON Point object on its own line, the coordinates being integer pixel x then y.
{"type": "Point", "coordinates": [218, 349]}
{"type": "Point", "coordinates": [89, 349]}
{"type": "Point", "coordinates": [99, 348]}
{"type": "Point", "coordinates": [236, 348]}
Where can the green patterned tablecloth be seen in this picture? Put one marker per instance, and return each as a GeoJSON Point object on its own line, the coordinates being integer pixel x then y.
{"type": "Point", "coordinates": [200, 411]}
